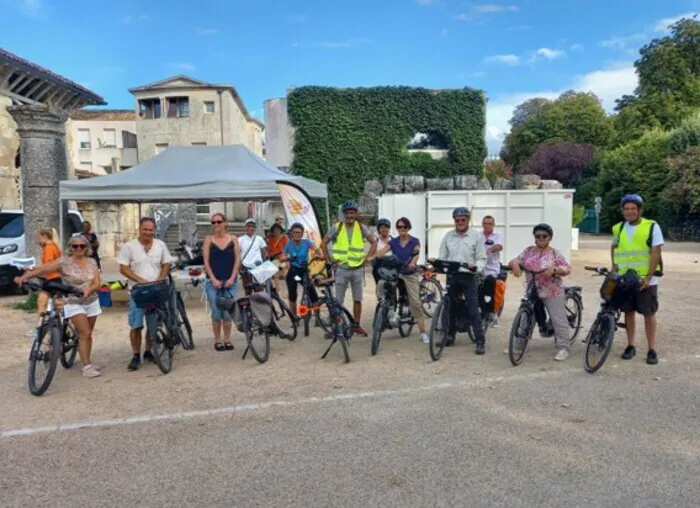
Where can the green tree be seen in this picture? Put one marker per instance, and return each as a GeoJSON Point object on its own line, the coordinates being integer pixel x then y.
{"type": "Point", "coordinates": [684, 190]}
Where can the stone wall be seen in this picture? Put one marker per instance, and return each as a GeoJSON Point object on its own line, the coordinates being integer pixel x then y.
{"type": "Point", "coordinates": [10, 193]}
{"type": "Point", "coordinates": [113, 224]}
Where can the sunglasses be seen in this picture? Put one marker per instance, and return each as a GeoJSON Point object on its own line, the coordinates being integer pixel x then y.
{"type": "Point", "coordinates": [217, 222]}
{"type": "Point", "coordinates": [460, 221]}
{"type": "Point", "coordinates": [402, 226]}
{"type": "Point", "coordinates": [541, 237]}
{"type": "Point", "coordinates": [78, 246]}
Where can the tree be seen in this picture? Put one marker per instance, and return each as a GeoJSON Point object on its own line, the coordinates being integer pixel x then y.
{"type": "Point", "coordinates": [684, 190]}
{"type": "Point", "coordinates": [564, 161]}
{"type": "Point", "coordinates": [495, 169]}
{"type": "Point", "coordinates": [528, 109]}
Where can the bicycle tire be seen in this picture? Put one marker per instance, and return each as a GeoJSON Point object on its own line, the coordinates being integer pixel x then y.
{"type": "Point", "coordinates": [323, 318]}
{"type": "Point", "coordinates": [405, 328]}
{"type": "Point", "coordinates": [344, 322]}
{"type": "Point", "coordinates": [69, 345]}
{"type": "Point", "coordinates": [36, 355]}
{"type": "Point", "coordinates": [603, 329]}
{"type": "Point", "coordinates": [428, 295]}
{"type": "Point", "coordinates": [378, 323]}
{"type": "Point", "coordinates": [184, 326]}
{"type": "Point", "coordinates": [522, 313]}
{"type": "Point", "coordinates": [305, 301]}
{"type": "Point", "coordinates": [575, 318]}
{"type": "Point", "coordinates": [161, 343]}
{"type": "Point", "coordinates": [261, 356]}
{"type": "Point", "coordinates": [286, 311]}
{"type": "Point", "coordinates": [439, 325]}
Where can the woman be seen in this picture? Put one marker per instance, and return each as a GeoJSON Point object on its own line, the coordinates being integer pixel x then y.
{"type": "Point", "coordinates": [296, 251]}
{"type": "Point", "coordinates": [383, 239]}
{"type": "Point", "coordinates": [407, 249]}
{"type": "Point", "coordinates": [550, 287]}
{"type": "Point", "coordinates": [79, 270]}
{"type": "Point", "coordinates": [275, 247]}
{"type": "Point", "coordinates": [222, 259]}
{"type": "Point", "coordinates": [94, 242]}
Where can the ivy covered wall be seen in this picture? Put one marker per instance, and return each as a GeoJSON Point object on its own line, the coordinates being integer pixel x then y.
{"type": "Point", "coordinates": [347, 136]}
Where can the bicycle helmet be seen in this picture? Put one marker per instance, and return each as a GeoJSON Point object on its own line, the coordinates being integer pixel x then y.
{"type": "Point", "coordinates": [297, 225]}
{"type": "Point", "coordinates": [543, 227]}
{"type": "Point", "coordinates": [460, 211]}
{"type": "Point", "coordinates": [383, 222]}
{"type": "Point", "coordinates": [632, 198]}
{"type": "Point", "coordinates": [349, 205]}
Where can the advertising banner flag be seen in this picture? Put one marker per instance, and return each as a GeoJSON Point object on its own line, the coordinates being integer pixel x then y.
{"type": "Point", "coordinates": [298, 208]}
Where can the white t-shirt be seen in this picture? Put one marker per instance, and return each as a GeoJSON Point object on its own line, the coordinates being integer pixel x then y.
{"type": "Point", "coordinates": [657, 238]}
{"type": "Point", "coordinates": [254, 252]}
{"type": "Point", "coordinates": [146, 265]}
{"type": "Point", "coordinates": [493, 259]}
{"type": "Point", "coordinates": [381, 244]}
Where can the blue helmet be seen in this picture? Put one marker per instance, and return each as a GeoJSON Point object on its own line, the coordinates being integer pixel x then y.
{"type": "Point", "coordinates": [349, 205]}
{"type": "Point", "coordinates": [383, 222]}
{"type": "Point", "coordinates": [632, 198]}
{"type": "Point", "coordinates": [460, 211]}
{"type": "Point", "coordinates": [297, 225]}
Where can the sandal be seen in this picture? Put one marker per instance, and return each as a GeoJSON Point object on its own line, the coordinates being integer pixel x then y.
{"type": "Point", "coordinates": [219, 346]}
{"type": "Point", "coordinates": [228, 346]}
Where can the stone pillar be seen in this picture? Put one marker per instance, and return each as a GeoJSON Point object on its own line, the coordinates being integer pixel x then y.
{"type": "Point", "coordinates": [187, 218]}
{"type": "Point", "coordinates": [44, 164]}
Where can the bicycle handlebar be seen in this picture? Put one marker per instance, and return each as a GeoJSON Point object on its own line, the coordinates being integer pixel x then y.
{"type": "Point", "coordinates": [53, 288]}
{"type": "Point", "coordinates": [599, 270]}
{"type": "Point", "coordinates": [450, 266]}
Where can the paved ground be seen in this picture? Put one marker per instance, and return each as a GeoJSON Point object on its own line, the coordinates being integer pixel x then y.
{"type": "Point", "coordinates": [391, 430]}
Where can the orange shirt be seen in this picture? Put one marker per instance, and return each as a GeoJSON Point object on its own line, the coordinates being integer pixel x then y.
{"type": "Point", "coordinates": [276, 247]}
{"type": "Point", "coordinates": [49, 254]}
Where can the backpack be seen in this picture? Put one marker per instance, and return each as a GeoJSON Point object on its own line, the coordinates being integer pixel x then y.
{"type": "Point", "coordinates": [660, 270]}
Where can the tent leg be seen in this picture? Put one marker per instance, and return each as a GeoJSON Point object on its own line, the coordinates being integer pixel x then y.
{"type": "Point", "coordinates": [328, 213]}
{"type": "Point", "coordinates": [140, 212]}
{"type": "Point", "coordinates": [60, 224]}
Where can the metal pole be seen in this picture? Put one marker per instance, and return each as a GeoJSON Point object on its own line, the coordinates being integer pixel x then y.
{"type": "Point", "coordinates": [60, 224]}
{"type": "Point", "coordinates": [140, 212]}
{"type": "Point", "coordinates": [328, 213]}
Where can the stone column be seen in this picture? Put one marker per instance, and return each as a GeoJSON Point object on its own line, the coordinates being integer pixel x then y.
{"type": "Point", "coordinates": [44, 164]}
{"type": "Point", "coordinates": [187, 218]}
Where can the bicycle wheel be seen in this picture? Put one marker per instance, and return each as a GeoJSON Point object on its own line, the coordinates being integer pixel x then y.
{"type": "Point", "coordinates": [183, 324]}
{"type": "Point", "coordinates": [439, 330]}
{"type": "Point", "coordinates": [431, 294]}
{"type": "Point", "coordinates": [69, 345]}
{"type": "Point", "coordinates": [306, 302]}
{"type": "Point", "coordinates": [343, 330]}
{"type": "Point", "coordinates": [287, 312]}
{"type": "Point", "coordinates": [520, 335]}
{"type": "Point", "coordinates": [161, 343]}
{"type": "Point", "coordinates": [405, 323]}
{"type": "Point", "coordinates": [574, 313]}
{"type": "Point", "coordinates": [599, 342]}
{"type": "Point", "coordinates": [260, 351]}
{"type": "Point", "coordinates": [43, 358]}
{"type": "Point", "coordinates": [380, 318]}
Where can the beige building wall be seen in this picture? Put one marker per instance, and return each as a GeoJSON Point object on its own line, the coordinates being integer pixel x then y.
{"type": "Point", "coordinates": [99, 155]}
{"type": "Point", "coordinates": [10, 193]}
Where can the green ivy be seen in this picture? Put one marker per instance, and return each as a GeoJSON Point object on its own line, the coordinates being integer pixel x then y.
{"type": "Point", "coordinates": [348, 136]}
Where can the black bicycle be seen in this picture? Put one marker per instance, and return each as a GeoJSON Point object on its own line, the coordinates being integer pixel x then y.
{"type": "Point", "coordinates": [307, 309]}
{"type": "Point", "coordinates": [431, 291]}
{"type": "Point", "coordinates": [532, 311]}
{"type": "Point", "coordinates": [392, 298]}
{"type": "Point", "coordinates": [443, 319]}
{"type": "Point", "coordinates": [342, 323]}
{"type": "Point", "coordinates": [280, 308]}
{"type": "Point", "coordinates": [55, 339]}
{"type": "Point", "coordinates": [166, 319]}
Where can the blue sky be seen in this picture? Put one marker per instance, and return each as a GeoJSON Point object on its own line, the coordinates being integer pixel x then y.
{"type": "Point", "coordinates": [511, 49]}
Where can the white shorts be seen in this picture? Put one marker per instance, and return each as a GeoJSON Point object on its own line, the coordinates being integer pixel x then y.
{"type": "Point", "coordinates": [90, 310]}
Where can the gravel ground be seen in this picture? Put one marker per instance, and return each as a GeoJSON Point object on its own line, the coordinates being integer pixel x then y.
{"type": "Point", "coordinates": [396, 429]}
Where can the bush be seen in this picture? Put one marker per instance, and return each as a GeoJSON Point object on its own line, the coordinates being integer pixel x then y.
{"type": "Point", "coordinates": [562, 161]}
{"type": "Point", "coordinates": [579, 212]}
{"type": "Point", "coordinates": [687, 135]}
{"type": "Point", "coordinates": [29, 305]}
{"type": "Point", "coordinates": [495, 169]}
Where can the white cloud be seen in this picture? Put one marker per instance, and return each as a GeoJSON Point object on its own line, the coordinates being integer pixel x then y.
{"type": "Point", "coordinates": [128, 19]}
{"type": "Point", "coordinates": [608, 84]}
{"type": "Point", "coordinates": [519, 28]}
{"type": "Point", "coordinates": [576, 47]}
{"type": "Point", "coordinates": [207, 31]}
{"type": "Point", "coordinates": [33, 8]}
{"type": "Point", "coordinates": [663, 24]}
{"type": "Point", "coordinates": [549, 54]}
{"type": "Point", "coordinates": [511, 60]}
{"type": "Point", "coordinates": [350, 43]}
{"type": "Point", "coordinates": [181, 66]}
{"type": "Point", "coordinates": [480, 11]}
{"type": "Point", "coordinates": [627, 43]}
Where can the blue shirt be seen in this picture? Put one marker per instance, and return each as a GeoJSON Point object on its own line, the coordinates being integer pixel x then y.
{"type": "Point", "coordinates": [299, 254]}
{"type": "Point", "coordinates": [405, 253]}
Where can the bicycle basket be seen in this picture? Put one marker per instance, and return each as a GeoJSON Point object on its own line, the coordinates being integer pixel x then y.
{"type": "Point", "coordinates": [260, 308]}
{"type": "Point", "coordinates": [150, 294]}
{"type": "Point", "coordinates": [617, 289]}
{"type": "Point", "coordinates": [389, 268]}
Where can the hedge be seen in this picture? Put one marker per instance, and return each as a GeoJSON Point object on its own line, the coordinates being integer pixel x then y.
{"type": "Point", "coordinates": [346, 137]}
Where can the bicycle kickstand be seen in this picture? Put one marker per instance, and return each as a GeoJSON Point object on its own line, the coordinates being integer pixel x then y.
{"type": "Point", "coordinates": [329, 348]}
{"type": "Point", "coordinates": [245, 353]}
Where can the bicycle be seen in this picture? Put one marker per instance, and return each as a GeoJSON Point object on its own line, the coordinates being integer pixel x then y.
{"type": "Point", "coordinates": [280, 309]}
{"type": "Point", "coordinates": [56, 336]}
{"type": "Point", "coordinates": [524, 320]}
{"type": "Point", "coordinates": [166, 319]}
{"type": "Point", "coordinates": [390, 282]}
{"type": "Point", "coordinates": [342, 324]}
{"type": "Point", "coordinates": [431, 291]}
{"type": "Point", "coordinates": [307, 309]}
{"type": "Point", "coordinates": [442, 319]}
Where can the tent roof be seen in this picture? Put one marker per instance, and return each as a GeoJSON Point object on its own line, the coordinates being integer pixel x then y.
{"type": "Point", "coordinates": [191, 173]}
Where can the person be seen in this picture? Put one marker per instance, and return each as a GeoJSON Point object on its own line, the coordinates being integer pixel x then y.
{"type": "Point", "coordinates": [253, 249]}
{"type": "Point", "coordinates": [50, 252]}
{"type": "Point", "coordinates": [279, 220]}
{"type": "Point", "coordinates": [296, 251]}
{"type": "Point", "coordinates": [79, 270]}
{"type": "Point", "coordinates": [222, 260]}
{"type": "Point", "coordinates": [143, 260]}
{"type": "Point", "coordinates": [275, 248]}
{"type": "Point", "coordinates": [407, 248]}
{"type": "Point", "coordinates": [493, 243]}
{"type": "Point", "coordinates": [348, 239]}
{"type": "Point", "coordinates": [550, 286]}
{"type": "Point", "coordinates": [636, 245]}
{"type": "Point", "coordinates": [383, 239]}
{"type": "Point", "coordinates": [462, 244]}
{"type": "Point", "coordinates": [94, 242]}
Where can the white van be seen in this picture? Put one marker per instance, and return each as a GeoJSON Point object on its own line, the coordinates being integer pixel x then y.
{"type": "Point", "coordinates": [13, 243]}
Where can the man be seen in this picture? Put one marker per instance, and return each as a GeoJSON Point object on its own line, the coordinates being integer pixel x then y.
{"type": "Point", "coordinates": [348, 240]}
{"type": "Point", "coordinates": [463, 245]}
{"type": "Point", "coordinates": [253, 250]}
{"type": "Point", "coordinates": [493, 243]}
{"type": "Point", "coordinates": [145, 259]}
{"type": "Point", "coordinates": [94, 243]}
{"type": "Point", "coordinates": [636, 246]}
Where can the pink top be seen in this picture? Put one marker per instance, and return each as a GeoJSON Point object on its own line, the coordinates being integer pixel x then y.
{"type": "Point", "coordinates": [536, 260]}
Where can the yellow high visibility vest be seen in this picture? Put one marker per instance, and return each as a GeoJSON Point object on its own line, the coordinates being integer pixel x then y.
{"type": "Point", "coordinates": [634, 253]}
{"type": "Point", "coordinates": [350, 253]}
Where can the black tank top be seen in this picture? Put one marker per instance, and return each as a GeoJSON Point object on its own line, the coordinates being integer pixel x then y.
{"type": "Point", "coordinates": [221, 261]}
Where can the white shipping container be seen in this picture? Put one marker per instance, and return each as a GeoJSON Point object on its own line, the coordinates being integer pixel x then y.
{"type": "Point", "coordinates": [515, 212]}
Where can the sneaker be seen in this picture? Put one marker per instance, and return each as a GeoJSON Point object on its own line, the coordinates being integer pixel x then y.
{"type": "Point", "coordinates": [135, 363]}
{"type": "Point", "coordinates": [506, 351]}
{"type": "Point", "coordinates": [360, 331]}
{"type": "Point", "coordinates": [629, 353]}
{"type": "Point", "coordinates": [31, 334]}
{"type": "Point", "coordinates": [495, 323]}
{"type": "Point", "coordinates": [90, 371]}
{"type": "Point", "coordinates": [450, 342]}
{"type": "Point", "coordinates": [425, 338]}
{"type": "Point", "coordinates": [652, 357]}
{"type": "Point", "coordinates": [562, 355]}
{"type": "Point", "coordinates": [480, 349]}
{"type": "Point", "coordinates": [148, 356]}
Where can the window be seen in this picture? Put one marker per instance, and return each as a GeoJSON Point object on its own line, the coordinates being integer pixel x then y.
{"type": "Point", "coordinates": [149, 108]}
{"type": "Point", "coordinates": [203, 143]}
{"type": "Point", "coordinates": [11, 225]}
{"type": "Point", "coordinates": [160, 148]}
{"type": "Point", "coordinates": [87, 166]}
{"type": "Point", "coordinates": [110, 138]}
{"type": "Point", "coordinates": [128, 139]}
{"type": "Point", "coordinates": [209, 107]}
{"type": "Point", "coordinates": [178, 107]}
{"type": "Point", "coordinates": [84, 138]}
